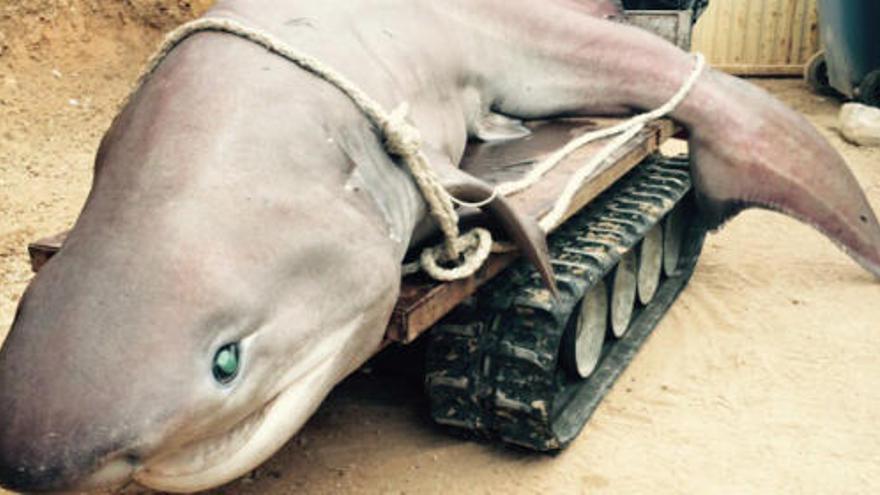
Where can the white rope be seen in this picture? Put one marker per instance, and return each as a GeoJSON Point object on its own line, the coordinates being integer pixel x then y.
{"type": "Point", "coordinates": [626, 130]}
{"type": "Point", "coordinates": [479, 204]}
{"type": "Point", "coordinates": [478, 242]}
{"type": "Point", "coordinates": [464, 253]}
{"type": "Point", "coordinates": [400, 139]}
{"type": "Point", "coordinates": [589, 169]}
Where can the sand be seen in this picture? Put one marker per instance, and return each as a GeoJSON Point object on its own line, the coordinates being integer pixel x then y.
{"type": "Point", "coordinates": [764, 377]}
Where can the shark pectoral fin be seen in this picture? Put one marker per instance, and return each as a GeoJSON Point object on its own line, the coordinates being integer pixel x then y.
{"type": "Point", "coordinates": [528, 237]}
{"type": "Point", "coordinates": [522, 230]}
{"type": "Point", "coordinates": [798, 174]}
{"type": "Point", "coordinates": [496, 127]}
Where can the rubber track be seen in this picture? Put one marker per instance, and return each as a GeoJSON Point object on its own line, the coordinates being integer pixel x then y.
{"type": "Point", "coordinates": [493, 367]}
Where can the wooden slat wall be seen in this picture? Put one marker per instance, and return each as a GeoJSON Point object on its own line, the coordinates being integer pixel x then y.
{"type": "Point", "coordinates": [759, 37]}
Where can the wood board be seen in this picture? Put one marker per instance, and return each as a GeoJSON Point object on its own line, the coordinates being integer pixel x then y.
{"type": "Point", "coordinates": [759, 37]}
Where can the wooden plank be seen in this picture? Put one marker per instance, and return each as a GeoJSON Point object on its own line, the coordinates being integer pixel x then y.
{"type": "Point", "coordinates": [753, 34]}
{"type": "Point", "coordinates": [763, 70]}
{"type": "Point", "coordinates": [798, 22]}
{"type": "Point", "coordinates": [811, 42]}
{"type": "Point", "coordinates": [423, 302]}
{"type": "Point", "coordinates": [773, 36]}
{"type": "Point", "coordinates": [728, 21]}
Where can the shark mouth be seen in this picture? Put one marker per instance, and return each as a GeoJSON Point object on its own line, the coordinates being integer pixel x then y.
{"type": "Point", "coordinates": [218, 459]}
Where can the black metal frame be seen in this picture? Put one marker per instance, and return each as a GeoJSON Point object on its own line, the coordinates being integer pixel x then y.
{"type": "Point", "coordinates": [697, 6]}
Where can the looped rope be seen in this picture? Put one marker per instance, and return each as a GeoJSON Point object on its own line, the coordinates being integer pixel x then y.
{"type": "Point", "coordinates": [475, 248]}
{"type": "Point", "coordinates": [479, 204]}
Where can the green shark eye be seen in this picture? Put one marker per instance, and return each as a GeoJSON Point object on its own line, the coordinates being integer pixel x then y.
{"type": "Point", "coordinates": [226, 363]}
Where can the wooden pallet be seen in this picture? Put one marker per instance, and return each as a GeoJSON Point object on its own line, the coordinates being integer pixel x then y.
{"type": "Point", "coordinates": [423, 302]}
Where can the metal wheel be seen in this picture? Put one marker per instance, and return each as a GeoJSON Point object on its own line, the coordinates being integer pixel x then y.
{"type": "Point", "coordinates": [816, 75]}
{"type": "Point", "coordinates": [623, 293]}
{"type": "Point", "coordinates": [697, 6]}
{"type": "Point", "coordinates": [650, 264]}
{"type": "Point", "coordinates": [673, 233]}
{"type": "Point", "coordinates": [582, 343]}
{"type": "Point", "coordinates": [869, 89]}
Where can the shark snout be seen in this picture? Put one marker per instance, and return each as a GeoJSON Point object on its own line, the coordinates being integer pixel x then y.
{"type": "Point", "coordinates": [73, 417]}
{"type": "Point", "coordinates": [44, 467]}
{"type": "Point", "coordinates": [57, 479]}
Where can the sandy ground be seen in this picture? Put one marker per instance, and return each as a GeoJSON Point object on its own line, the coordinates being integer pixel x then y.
{"type": "Point", "coordinates": [764, 377]}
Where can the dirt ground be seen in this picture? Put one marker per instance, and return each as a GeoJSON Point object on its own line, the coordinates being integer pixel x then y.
{"type": "Point", "coordinates": [764, 377]}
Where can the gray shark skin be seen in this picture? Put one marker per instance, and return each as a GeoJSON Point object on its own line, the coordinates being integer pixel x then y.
{"type": "Point", "coordinates": [239, 200]}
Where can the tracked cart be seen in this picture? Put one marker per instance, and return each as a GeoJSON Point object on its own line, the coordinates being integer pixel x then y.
{"type": "Point", "coordinates": [505, 358]}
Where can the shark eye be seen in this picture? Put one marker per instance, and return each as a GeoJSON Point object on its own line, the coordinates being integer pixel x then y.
{"type": "Point", "coordinates": [226, 363]}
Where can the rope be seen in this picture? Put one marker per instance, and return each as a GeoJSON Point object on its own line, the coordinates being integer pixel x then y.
{"type": "Point", "coordinates": [626, 131]}
{"type": "Point", "coordinates": [464, 254]}
{"type": "Point", "coordinates": [400, 138]}
{"type": "Point", "coordinates": [479, 204]}
{"type": "Point", "coordinates": [478, 241]}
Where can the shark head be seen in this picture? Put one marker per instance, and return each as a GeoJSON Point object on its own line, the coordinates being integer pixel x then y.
{"type": "Point", "coordinates": [220, 279]}
{"type": "Point", "coordinates": [176, 376]}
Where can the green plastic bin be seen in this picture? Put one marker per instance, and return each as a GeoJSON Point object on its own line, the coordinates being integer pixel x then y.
{"type": "Point", "coordinates": [850, 62]}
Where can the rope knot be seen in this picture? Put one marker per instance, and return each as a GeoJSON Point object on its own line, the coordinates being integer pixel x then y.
{"type": "Point", "coordinates": [401, 138]}
{"type": "Point", "coordinates": [474, 248]}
